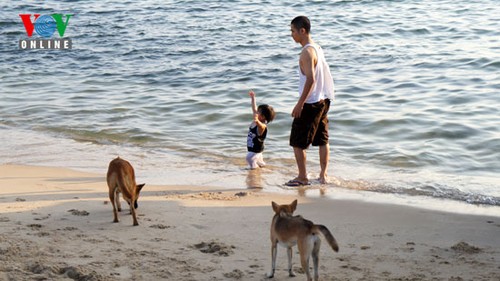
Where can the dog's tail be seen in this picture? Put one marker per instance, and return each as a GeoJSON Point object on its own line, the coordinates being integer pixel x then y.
{"type": "Point", "coordinates": [328, 236]}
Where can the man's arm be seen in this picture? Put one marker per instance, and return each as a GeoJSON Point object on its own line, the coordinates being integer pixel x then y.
{"type": "Point", "coordinates": [307, 64]}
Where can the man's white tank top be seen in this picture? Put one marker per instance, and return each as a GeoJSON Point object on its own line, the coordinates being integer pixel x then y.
{"type": "Point", "coordinates": [324, 87]}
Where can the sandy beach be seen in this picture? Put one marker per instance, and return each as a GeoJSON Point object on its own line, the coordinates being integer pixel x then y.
{"type": "Point", "coordinates": [56, 224]}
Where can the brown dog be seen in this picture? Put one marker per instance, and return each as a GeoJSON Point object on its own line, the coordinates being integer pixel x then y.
{"type": "Point", "coordinates": [121, 179]}
{"type": "Point", "coordinates": [288, 230]}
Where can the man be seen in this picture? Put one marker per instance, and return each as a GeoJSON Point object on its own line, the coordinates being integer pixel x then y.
{"type": "Point", "coordinates": [316, 89]}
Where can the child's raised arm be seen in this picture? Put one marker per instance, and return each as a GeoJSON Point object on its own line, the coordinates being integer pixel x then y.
{"type": "Point", "coordinates": [261, 126]}
{"type": "Point", "coordinates": [254, 104]}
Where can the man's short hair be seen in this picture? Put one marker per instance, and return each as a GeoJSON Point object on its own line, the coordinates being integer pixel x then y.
{"type": "Point", "coordinates": [302, 22]}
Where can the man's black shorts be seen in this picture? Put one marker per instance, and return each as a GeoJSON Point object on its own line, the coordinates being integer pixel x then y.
{"type": "Point", "coordinates": [312, 126]}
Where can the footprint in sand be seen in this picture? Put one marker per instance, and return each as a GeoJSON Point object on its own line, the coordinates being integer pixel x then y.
{"type": "Point", "coordinates": [160, 226]}
{"type": "Point", "coordinates": [75, 212]}
{"type": "Point", "coordinates": [35, 226]}
{"type": "Point", "coordinates": [465, 248]}
{"type": "Point", "coordinates": [70, 228]}
{"type": "Point", "coordinates": [235, 274]}
{"type": "Point", "coordinates": [492, 222]}
{"type": "Point", "coordinates": [215, 248]}
{"type": "Point", "coordinates": [42, 218]}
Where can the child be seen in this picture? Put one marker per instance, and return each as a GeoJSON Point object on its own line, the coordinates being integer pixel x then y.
{"type": "Point", "coordinates": [257, 132]}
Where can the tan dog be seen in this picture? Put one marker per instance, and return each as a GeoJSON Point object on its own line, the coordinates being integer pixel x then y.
{"type": "Point", "coordinates": [121, 179]}
{"type": "Point", "coordinates": [288, 230]}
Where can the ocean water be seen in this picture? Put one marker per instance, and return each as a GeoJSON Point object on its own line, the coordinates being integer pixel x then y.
{"type": "Point", "coordinates": [164, 84]}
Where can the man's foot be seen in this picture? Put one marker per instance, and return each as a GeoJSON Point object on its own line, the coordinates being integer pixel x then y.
{"type": "Point", "coordinates": [297, 182]}
{"type": "Point", "coordinates": [323, 180]}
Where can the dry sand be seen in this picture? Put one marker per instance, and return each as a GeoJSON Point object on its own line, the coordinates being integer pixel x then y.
{"type": "Point", "coordinates": [56, 224]}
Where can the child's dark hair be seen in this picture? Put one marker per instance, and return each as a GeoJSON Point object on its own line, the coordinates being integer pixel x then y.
{"type": "Point", "coordinates": [267, 111]}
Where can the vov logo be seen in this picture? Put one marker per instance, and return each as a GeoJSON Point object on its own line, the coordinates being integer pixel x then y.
{"type": "Point", "coordinates": [45, 26]}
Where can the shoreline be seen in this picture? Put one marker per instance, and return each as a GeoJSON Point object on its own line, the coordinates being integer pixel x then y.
{"type": "Point", "coordinates": [471, 194]}
{"type": "Point", "coordinates": [56, 224]}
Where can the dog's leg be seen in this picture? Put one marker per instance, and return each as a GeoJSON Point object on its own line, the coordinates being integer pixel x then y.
{"type": "Point", "coordinates": [112, 195]}
{"type": "Point", "coordinates": [132, 210]}
{"type": "Point", "coordinates": [274, 251]}
{"type": "Point", "coordinates": [315, 256]}
{"type": "Point", "coordinates": [305, 249]}
{"type": "Point", "coordinates": [117, 198]}
{"type": "Point", "coordinates": [290, 269]}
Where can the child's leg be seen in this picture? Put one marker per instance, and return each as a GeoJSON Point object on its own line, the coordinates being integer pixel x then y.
{"type": "Point", "coordinates": [252, 159]}
{"type": "Point", "coordinates": [260, 160]}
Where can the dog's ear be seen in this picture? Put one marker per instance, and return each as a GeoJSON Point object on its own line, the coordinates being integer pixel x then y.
{"type": "Point", "coordinates": [275, 206]}
{"type": "Point", "coordinates": [140, 186]}
{"type": "Point", "coordinates": [294, 205]}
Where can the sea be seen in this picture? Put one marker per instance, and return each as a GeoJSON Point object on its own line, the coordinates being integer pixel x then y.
{"type": "Point", "coordinates": [164, 84]}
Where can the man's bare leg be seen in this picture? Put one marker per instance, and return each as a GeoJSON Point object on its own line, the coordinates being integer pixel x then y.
{"type": "Point", "coordinates": [324, 158]}
{"type": "Point", "coordinates": [300, 158]}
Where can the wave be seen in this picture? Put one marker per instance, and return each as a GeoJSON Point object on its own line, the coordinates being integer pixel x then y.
{"type": "Point", "coordinates": [422, 190]}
